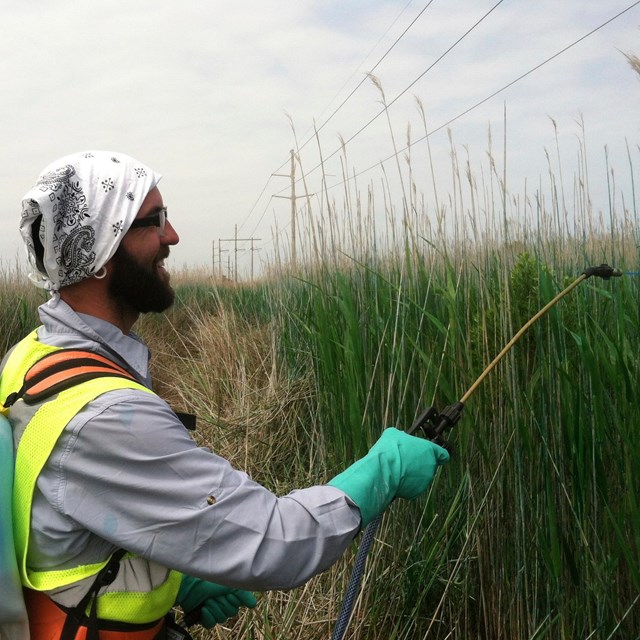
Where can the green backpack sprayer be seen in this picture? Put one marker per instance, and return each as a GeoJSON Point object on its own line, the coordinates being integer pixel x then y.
{"type": "Point", "coordinates": [434, 424]}
{"type": "Point", "coordinates": [13, 615]}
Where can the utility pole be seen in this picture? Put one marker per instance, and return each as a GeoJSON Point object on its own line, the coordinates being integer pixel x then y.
{"type": "Point", "coordinates": [252, 250]}
{"type": "Point", "coordinates": [220, 252]}
{"type": "Point", "coordinates": [235, 241]}
{"type": "Point", "coordinates": [293, 209]}
{"type": "Point", "coordinates": [292, 197]}
{"type": "Point", "coordinates": [219, 258]}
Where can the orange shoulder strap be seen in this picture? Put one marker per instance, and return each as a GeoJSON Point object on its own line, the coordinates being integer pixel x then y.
{"type": "Point", "coordinates": [62, 369]}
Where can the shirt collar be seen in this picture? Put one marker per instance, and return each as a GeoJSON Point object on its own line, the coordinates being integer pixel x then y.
{"type": "Point", "coordinates": [64, 327]}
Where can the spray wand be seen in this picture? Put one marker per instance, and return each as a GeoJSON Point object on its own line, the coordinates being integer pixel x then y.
{"type": "Point", "coordinates": [434, 423]}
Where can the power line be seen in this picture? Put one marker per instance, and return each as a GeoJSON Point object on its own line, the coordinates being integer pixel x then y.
{"type": "Point", "coordinates": [372, 120]}
{"type": "Point", "coordinates": [493, 95]}
{"type": "Point", "coordinates": [458, 116]}
{"type": "Point", "coordinates": [264, 213]}
{"type": "Point", "coordinates": [387, 52]}
{"type": "Point", "coordinates": [318, 129]}
{"type": "Point", "coordinates": [255, 204]}
{"type": "Point", "coordinates": [375, 46]}
{"type": "Point", "coordinates": [477, 104]}
{"type": "Point", "coordinates": [365, 77]}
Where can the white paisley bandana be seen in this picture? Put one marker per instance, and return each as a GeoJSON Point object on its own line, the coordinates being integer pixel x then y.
{"type": "Point", "coordinates": [83, 204]}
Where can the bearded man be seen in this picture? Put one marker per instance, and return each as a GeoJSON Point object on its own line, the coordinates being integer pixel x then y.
{"type": "Point", "coordinates": [118, 514]}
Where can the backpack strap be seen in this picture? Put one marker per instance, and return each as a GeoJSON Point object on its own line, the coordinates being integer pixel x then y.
{"type": "Point", "coordinates": [62, 369]}
{"type": "Point", "coordinates": [65, 368]}
{"type": "Point", "coordinates": [76, 616]}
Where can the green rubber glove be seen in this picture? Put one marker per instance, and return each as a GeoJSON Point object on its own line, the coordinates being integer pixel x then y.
{"type": "Point", "coordinates": [398, 465]}
{"type": "Point", "coordinates": [214, 602]}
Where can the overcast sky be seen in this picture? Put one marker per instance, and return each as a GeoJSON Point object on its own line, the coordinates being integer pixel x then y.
{"type": "Point", "coordinates": [204, 92]}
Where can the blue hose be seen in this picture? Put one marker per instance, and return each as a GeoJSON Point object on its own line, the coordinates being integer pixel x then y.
{"type": "Point", "coordinates": [354, 580]}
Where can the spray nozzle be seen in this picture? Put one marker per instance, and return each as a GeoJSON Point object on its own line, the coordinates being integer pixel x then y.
{"type": "Point", "coordinates": [603, 271]}
{"type": "Point", "coordinates": [434, 423]}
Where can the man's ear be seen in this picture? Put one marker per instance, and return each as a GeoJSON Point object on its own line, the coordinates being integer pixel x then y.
{"type": "Point", "coordinates": [108, 265]}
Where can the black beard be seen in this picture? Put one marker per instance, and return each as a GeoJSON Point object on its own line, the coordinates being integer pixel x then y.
{"type": "Point", "coordinates": [140, 288]}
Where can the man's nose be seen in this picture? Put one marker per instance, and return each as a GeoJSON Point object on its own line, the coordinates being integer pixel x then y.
{"type": "Point", "coordinates": [170, 235]}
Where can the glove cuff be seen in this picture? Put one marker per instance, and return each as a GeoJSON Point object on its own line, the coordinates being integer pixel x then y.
{"type": "Point", "coordinates": [369, 484]}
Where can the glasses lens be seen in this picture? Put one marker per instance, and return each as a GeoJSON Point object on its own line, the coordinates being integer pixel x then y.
{"type": "Point", "coordinates": [158, 220]}
{"type": "Point", "coordinates": [162, 220]}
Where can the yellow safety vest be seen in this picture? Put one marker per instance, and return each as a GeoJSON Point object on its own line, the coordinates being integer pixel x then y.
{"type": "Point", "coordinates": [34, 448]}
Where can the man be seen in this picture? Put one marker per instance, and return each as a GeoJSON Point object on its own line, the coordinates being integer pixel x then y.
{"type": "Point", "coordinates": [105, 470]}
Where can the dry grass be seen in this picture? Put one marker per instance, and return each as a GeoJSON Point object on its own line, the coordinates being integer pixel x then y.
{"type": "Point", "coordinates": [225, 370]}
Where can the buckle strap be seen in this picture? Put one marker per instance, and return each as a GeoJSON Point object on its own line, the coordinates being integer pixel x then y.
{"type": "Point", "coordinates": [77, 615]}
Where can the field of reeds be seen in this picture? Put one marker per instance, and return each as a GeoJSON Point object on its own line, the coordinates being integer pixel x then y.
{"type": "Point", "coordinates": [532, 530]}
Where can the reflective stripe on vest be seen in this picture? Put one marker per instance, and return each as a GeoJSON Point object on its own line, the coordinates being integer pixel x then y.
{"type": "Point", "coordinates": [47, 621]}
{"type": "Point", "coordinates": [35, 447]}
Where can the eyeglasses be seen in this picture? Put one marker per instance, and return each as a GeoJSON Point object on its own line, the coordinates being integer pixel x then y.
{"type": "Point", "coordinates": [157, 219]}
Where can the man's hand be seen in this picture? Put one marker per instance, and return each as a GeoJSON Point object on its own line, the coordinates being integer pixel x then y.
{"type": "Point", "coordinates": [397, 466]}
{"type": "Point", "coordinates": [209, 604]}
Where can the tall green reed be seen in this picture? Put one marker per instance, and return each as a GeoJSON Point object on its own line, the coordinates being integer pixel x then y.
{"type": "Point", "coordinates": [531, 531]}
{"type": "Point", "coordinates": [18, 305]}
{"type": "Point", "coordinates": [544, 550]}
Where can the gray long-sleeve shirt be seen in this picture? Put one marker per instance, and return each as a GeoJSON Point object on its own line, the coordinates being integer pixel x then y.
{"type": "Point", "coordinates": [125, 473]}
